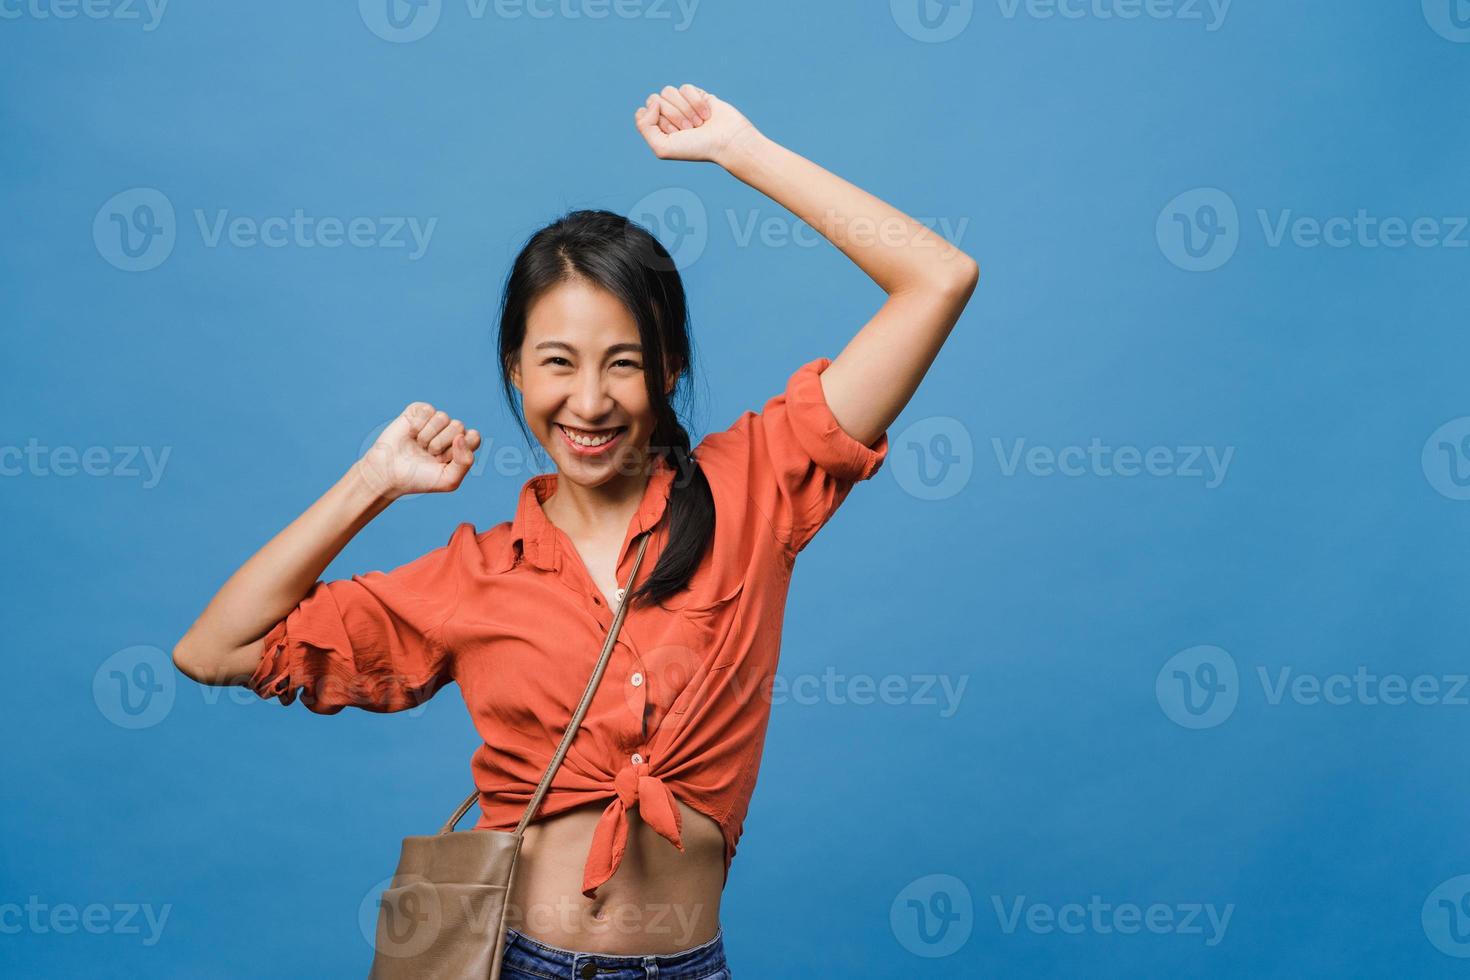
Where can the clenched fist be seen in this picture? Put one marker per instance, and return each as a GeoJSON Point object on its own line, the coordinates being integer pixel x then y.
{"type": "Point", "coordinates": [688, 123]}
{"type": "Point", "coordinates": [421, 451]}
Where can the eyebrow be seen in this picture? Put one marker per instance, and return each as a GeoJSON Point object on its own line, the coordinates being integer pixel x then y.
{"type": "Point", "coordinates": [614, 349]}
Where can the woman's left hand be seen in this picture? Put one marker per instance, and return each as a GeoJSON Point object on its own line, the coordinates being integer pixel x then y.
{"type": "Point", "coordinates": [688, 123]}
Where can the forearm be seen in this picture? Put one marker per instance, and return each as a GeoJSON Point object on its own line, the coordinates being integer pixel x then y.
{"type": "Point", "coordinates": [223, 642]}
{"type": "Point", "coordinates": [897, 252]}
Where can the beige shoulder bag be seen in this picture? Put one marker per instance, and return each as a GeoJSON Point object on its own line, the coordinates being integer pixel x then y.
{"type": "Point", "coordinates": [443, 913]}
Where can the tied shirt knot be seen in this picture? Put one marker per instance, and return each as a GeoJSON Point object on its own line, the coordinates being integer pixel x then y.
{"type": "Point", "coordinates": [635, 786]}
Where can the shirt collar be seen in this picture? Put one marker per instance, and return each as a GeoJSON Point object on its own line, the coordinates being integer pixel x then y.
{"type": "Point", "coordinates": [536, 534]}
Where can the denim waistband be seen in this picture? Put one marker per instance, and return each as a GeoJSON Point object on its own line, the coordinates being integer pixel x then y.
{"type": "Point", "coordinates": [539, 959]}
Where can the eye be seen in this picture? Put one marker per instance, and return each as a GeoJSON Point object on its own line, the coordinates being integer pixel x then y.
{"type": "Point", "coordinates": [628, 362]}
{"type": "Point", "coordinates": [552, 359]}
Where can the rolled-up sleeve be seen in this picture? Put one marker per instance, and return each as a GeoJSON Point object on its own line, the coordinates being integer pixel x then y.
{"type": "Point", "coordinates": [796, 462]}
{"type": "Point", "coordinates": [372, 641]}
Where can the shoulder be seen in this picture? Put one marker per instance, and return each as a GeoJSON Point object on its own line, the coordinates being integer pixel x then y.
{"type": "Point", "coordinates": [486, 552]}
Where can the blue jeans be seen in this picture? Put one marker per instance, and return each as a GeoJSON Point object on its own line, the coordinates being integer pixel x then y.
{"type": "Point", "coordinates": [528, 959]}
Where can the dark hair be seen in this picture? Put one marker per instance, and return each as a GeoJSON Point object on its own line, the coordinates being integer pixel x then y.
{"type": "Point", "coordinates": [620, 256]}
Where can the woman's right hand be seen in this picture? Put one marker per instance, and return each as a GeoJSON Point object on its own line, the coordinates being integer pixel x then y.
{"type": "Point", "coordinates": [421, 451]}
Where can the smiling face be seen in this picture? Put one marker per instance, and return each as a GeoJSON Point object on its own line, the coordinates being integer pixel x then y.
{"type": "Point", "coordinates": [580, 372]}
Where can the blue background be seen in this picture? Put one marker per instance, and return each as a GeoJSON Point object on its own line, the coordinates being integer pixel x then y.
{"type": "Point", "coordinates": [1058, 143]}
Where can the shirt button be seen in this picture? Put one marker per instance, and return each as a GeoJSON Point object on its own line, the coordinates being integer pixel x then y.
{"type": "Point", "coordinates": [637, 759]}
{"type": "Point", "coordinates": [636, 679]}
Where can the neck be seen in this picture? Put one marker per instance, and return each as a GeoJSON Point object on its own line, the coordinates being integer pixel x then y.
{"type": "Point", "coordinates": [607, 506]}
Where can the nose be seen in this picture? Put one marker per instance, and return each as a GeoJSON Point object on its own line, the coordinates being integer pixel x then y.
{"type": "Point", "coordinates": [590, 399]}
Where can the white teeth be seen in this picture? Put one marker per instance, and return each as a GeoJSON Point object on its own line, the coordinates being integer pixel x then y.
{"type": "Point", "coordinates": [582, 440]}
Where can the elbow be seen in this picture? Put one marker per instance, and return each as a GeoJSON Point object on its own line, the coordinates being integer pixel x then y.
{"type": "Point", "coordinates": [187, 661]}
{"type": "Point", "coordinates": [197, 665]}
{"type": "Point", "coordinates": [964, 275]}
{"type": "Point", "coordinates": [953, 276]}
{"type": "Point", "coordinates": [214, 665]}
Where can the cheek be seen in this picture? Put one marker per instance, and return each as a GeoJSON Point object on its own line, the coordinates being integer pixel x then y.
{"type": "Point", "coordinates": [538, 407]}
{"type": "Point", "coordinates": [635, 402]}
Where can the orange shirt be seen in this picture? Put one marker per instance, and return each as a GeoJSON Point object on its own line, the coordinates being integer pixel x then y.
{"type": "Point", "coordinates": [512, 615]}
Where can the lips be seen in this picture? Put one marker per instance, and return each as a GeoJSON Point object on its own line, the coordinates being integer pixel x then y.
{"type": "Point", "coordinates": [591, 449]}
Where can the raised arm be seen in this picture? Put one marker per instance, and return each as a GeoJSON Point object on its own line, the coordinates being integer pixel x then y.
{"type": "Point", "coordinates": [928, 280]}
{"type": "Point", "coordinates": [421, 451]}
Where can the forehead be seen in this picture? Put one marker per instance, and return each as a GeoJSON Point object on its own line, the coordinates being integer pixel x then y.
{"type": "Point", "coordinates": [579, 313]}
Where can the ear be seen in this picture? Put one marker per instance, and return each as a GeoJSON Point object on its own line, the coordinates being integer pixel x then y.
{"type": "Point", "coordinates": [515, 375]}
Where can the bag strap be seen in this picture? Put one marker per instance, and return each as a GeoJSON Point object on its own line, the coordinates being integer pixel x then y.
{"type": "Point", "coordinates": [577, 715]}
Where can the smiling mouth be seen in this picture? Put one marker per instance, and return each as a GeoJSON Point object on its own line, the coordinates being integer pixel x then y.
{"type": "Point", "coordinates": [591, 439]}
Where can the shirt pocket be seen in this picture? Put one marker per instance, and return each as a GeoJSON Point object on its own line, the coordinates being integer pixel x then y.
{"type": "Point", "coordinates": [708, 625]}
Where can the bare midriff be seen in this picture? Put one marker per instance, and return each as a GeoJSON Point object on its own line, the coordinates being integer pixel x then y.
{"type": "Point", "coordinates": [659, 901]}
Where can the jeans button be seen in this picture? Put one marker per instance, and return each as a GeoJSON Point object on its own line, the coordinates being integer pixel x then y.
{"type": "Point", "coordinates": [589, 969]}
